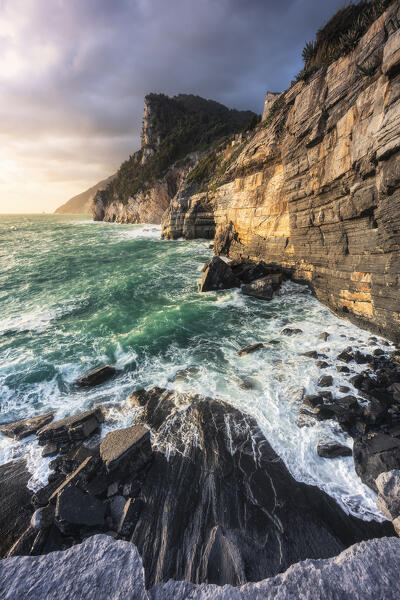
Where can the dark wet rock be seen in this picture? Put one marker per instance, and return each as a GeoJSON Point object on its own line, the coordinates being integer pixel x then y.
{"type": "Point", "coordinates": [218, 276]}
{"type": "Point", "coordinates": [97, 376]}
{"type": "Point", "coordinates": [378, 352]}
{"type": "Point", "coordinates": [343, 369]}
{"type": "Point", "coordinates": [323, 336]}
{"type": "Point", "coordinates": [126, 445]}
{"type": "Point", "coordinates": [289, 331]}
{"type": "Point", "coordinates": [187, 372]}
{"type": "Point", "coordinates": [375, 453]}
{"type": "Point", "coordinates": [112, 489]}
{"type": "Point", "coordinates": [260, 288]}
{"type": "Point", "coordinates": [325, 381]}
{"type": "Point", "coordinates": [345, 356]}
{"type": "Point", "coordinates": [322, 364]}
{"type": "Point", "coordinates": [344, 389]}
{"type": "Point", "coordinates": [395, 390]}
{"type": "Point", "coordinates": [310, 354]}
{"type": "Point", "coordinates": [251, 348]}
{"type": "Point", "coordinates": [240, 506]}
{"type": "Point", "coordinates": [15, 503]}
{"type": "Point", "coordinates": [117, 507]}
{"type": "Point", "coordinates": [43, 517]}
{"type": "Point", "coordinates": [50, 449]}
{"type": "Point", "coordinates": [75, 509]}
{"type": "Point", "coordinates": [42, 496]}
{"type": "Point", "coordinates": [74, 428]}
{"type": "Point", "coordinates": [21, 429]}
{"type": "Point", "coordinates": [362, 359]}
{"type": "Point", "coordinates": [368, 570]}
{"type": "Point", "coordinates": [130, 516]}
{"type": "Point", "coordinates": [313, 400]}
{"type": "Point", "coordinates": [374, 413]}
{"type": "Point", "coordinates": [80, 476]}
{"type": "Point", "coordinates": [273, 343]}
{"type": "Point", "coordinates": [247, 271]}
{"type": "Point", "coordinates": [328, 448]}
{"type": "Point", "coordinates": [24, 543]}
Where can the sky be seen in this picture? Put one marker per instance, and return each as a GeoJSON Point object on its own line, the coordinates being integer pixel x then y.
{"type": "Point", "coordinates": [73, 75]}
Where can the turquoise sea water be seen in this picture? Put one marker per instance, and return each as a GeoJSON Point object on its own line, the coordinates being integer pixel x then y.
{"type": "Point", "coordinates": [75, 294]}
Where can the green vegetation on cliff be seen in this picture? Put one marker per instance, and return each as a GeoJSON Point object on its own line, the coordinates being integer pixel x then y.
{"type": "Point", "coordinates": [340, 35]}
{"type": "Point", "coordinates": [181, 125]}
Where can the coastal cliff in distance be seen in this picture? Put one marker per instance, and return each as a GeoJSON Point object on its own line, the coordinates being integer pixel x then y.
{"type": "Point", "coordinates": [316, 186]}
{"type": "Point", "coordinates": [176, 133]}
{"type": "Point", "coordinates": [81, 204]}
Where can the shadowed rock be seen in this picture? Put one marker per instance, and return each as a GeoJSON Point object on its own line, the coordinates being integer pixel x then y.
{"type": "Point", "coordinates": [374, 454]}
{"type": "Point", "coordinates": [260, 288]}
{"type": "Point", "coordinates": [15, 507]}
{"type": "Point", "coordinates": [76, 427]}
{"type": "Point", "coordinates": [331, 449]}
{"type": "Point", "coordinates": [221, 506]}
{"type": "Point", "coordinates": [218, 276]}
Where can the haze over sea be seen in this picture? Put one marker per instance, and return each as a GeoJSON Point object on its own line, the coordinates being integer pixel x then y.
{"type": "Point", "coordinates": [76, 294]}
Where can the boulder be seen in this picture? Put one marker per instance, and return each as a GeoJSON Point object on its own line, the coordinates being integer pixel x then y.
{"type": "Point", "coordinates": [375, 453]}
{"type": "Point", "coordinates": [43, 517]}
{"type": "Point", "coordinates": [74, 508]}
{"type": "Point", "coordinates": [260, 288]}
{"type": "Point", "coordinates": [323, 336]}
{"type": "Point", "coordinates": [22, 429]}
{"type": "Point", "coordinates": [290, 331]}
{"type": "Point", "coordinates": [310, 354]}
{"type": "Point", "coordinates": [97, 376]}
{"type": "Point", "coordinates": [251, 348]}
{"type": "Point", "coordinates": [322, 364]}
{"type": "Point", "coordinates": [218, 276]}
{"type": "Point", "coordinates": [131, 444]}
{"type": "Point", "coordinates": [388, 486]}
{"type": "Point", "coordinates": [325, 381]}
{"type": "Point", "coordinates": [329, 448]}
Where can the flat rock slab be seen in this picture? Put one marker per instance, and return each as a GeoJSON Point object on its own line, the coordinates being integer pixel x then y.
{"type": "Point", "coordinates": [97, 376]}
{"type": "Point", "coordinates": [123, 443]}
{"type": "Point", "coordinates": [21, 429]}
{"type": "Point", "coordinates": [76, 427]}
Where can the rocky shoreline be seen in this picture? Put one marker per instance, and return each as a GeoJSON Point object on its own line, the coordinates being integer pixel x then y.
{"type": "Point", "coordinates": [193, 483]}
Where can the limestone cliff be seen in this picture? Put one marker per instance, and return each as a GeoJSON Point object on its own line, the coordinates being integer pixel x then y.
{"type": "Point", "coordinates": [316, 187]}
{"type": "Point", "coordinates": [175, 132]}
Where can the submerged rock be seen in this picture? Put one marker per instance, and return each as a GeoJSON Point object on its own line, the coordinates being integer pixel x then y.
{"type": "Point", "coordinates": [97, 376]}
{"type": "Point", "coordinates": [289, 331]}
{"type": "Point", "coordinates": [251, 348]}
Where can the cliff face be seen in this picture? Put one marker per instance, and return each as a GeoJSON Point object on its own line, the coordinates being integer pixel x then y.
{"type": "Point", "coordinates": [175, 133]}
{"type": "Point", "coordinates": [148, 206]}
{"type": "Point", "coordinates": [82, 203]}
{"type": "Point", "coordinates": [316, 188]}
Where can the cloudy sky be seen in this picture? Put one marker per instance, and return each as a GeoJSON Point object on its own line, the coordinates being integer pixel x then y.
{"type": "Point", "coordinates": [73, 74]}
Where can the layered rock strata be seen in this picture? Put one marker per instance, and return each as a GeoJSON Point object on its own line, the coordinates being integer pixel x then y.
{"type": "Point", "coordinates": [316, 188]}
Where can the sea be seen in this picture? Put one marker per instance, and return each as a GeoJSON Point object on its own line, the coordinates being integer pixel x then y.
{"type": "Point", "coordinates": [77, 294]}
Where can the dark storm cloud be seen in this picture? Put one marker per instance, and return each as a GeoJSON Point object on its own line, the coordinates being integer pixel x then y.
{"type": "Point", "coordinates": [75, 72]}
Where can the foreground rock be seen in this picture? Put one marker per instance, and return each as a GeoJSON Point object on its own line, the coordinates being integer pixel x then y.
{"type": "Point", "coordinates": [388, 486]}
{"type": "Point", "coordinates": [74, 428]}
{"type": "Point", "coordinates": [222, 507]}
{"type": "Point", "coordinates": [218, 276]}
{"type": "Point", "coordinates": [365, 571]}
{"type": "Point", "coordinates": [21, 429]}
{"type": "Point", "coordinates": [126, 445]}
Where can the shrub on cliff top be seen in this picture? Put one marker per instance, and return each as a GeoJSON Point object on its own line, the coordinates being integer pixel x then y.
{"type": "Point", "coordinates": [341, 34]}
